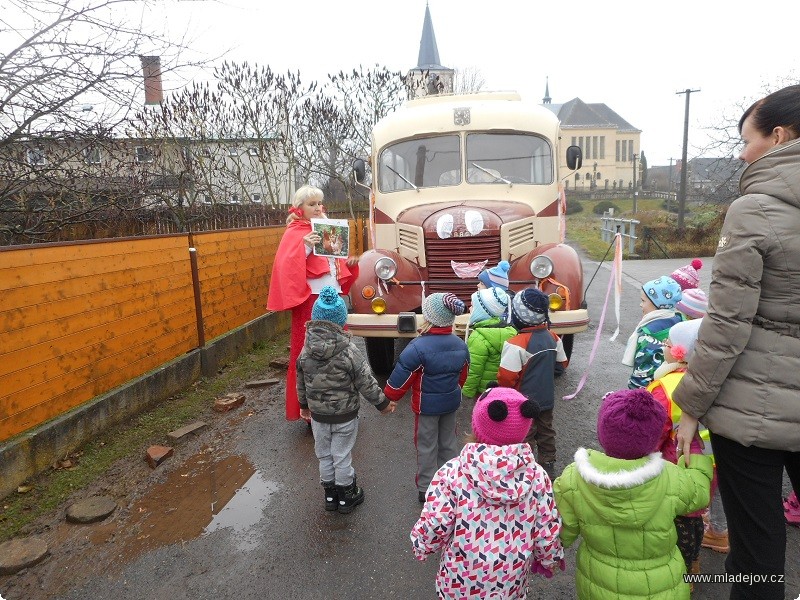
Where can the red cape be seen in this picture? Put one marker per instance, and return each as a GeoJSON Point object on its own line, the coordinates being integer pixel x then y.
{"type": "Point", "coordinates": [287, 288]}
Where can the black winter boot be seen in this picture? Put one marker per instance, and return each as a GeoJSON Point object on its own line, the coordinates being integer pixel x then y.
{"type": "Point", "coordinates": [331, 495]}
{"type": "Point", "coordinates": [350, 496]}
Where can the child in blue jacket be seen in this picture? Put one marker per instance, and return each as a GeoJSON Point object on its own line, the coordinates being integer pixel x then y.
{"type": "Point", "coordinates": [433, 366]}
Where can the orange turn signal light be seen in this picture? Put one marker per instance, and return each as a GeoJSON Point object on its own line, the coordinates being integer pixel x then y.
{"type": "Point", "coordinates": [556, 302]}
{"type": "Point", "coordinates": [368, 292]}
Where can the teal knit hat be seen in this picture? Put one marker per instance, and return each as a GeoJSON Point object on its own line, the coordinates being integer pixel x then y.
{"type": "Point", "coordinates": [329, 307]}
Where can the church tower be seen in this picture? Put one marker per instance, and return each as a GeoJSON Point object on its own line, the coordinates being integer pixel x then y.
{"type": "Point", "coordinates": [429, 76]}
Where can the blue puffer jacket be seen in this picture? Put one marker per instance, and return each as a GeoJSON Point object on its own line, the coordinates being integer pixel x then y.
{"type": "Point", "coordinates": [434, 366]}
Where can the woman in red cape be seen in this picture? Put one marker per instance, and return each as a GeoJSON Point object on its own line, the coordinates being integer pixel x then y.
{"type": "Point", "coordinates": [289, 290]}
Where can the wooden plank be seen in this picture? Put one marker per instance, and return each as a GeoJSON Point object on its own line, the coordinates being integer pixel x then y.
{"type": "Point", "coordinates": [59, 404]}
{"type": "Point", "coordinates": [50, 321]}
{"type": "Point", "coordinates": [101, 339]}
{"type": "Point", "coordinates": [54, 255]}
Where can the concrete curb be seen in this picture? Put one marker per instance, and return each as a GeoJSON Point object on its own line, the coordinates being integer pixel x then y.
{"type": "Point", "coordinates": [34, 451]}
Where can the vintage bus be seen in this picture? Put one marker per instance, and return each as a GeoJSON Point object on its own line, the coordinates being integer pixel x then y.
{"type": "Point", "coordinates": [458, 183]}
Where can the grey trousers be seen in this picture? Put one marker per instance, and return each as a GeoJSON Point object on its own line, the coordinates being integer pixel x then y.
{"type": "Point", "coordinates": [435, 439]}
{"type": "Point", "coordinates": [333, 445]}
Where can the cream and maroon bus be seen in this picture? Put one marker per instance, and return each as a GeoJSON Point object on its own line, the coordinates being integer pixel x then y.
{"type": "Point", "coordinates": [459, 183]}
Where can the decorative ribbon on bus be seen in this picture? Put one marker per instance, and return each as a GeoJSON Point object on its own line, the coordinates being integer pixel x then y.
{"type": "Point", "coordinates": [468, 270]}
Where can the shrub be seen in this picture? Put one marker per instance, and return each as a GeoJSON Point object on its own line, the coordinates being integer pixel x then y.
{"type": "Point", "coordinates": [603, 206]}
{"type": "Point", "coordinates": [574, 206]}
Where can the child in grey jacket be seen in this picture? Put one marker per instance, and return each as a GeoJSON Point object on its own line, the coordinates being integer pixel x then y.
{"type": "Point", "coordinates": [331, 373]}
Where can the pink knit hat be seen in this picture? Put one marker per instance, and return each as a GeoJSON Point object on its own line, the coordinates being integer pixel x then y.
{"type": "Point", "coordinates": [630, 423]}
{"type": "Point", "coordinates": [503, 416]}
{"type": "Point", "coordinates": [693, 303]}
{"type": "Point", "coordinates": [687, 276]}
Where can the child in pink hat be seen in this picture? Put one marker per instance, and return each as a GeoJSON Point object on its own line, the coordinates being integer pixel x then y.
{"type": "Point", "coordinates": [687, 276]}
{"type": "Point", "coordinates": [490, 511]}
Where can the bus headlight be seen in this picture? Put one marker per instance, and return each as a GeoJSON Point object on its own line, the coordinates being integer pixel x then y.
{"type": "Point", "coordinates": [541, 267]}
{"type": "Point", "coordinates": [385, 268]}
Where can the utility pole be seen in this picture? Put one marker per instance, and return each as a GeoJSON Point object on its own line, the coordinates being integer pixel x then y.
{"type": "Point", "coordinates": [669, 185]}
{"type": "Point", "coordinates": [633, 158]}
{"type": "Point", "coordinates": [684, 164]}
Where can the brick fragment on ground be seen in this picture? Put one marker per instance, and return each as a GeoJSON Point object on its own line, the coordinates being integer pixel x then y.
{"type": "Point", "coordinates": [229, 402]}
{"type": "Point", "coordinates": [261, 383]}
{"type": "Point", "coordinates": [91, 510]}
{"type": "Point", "coordinates": [186, 430]}
{"type": "Point", "coordinates": [281, 362]}
{"type": "Point", "coordinates": [155, 455]}
{"type": "Point", "coordinates": [19, 554]}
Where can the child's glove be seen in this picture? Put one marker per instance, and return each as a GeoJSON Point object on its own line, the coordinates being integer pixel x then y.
{"type": "Point", "coordinates": [538, 568]}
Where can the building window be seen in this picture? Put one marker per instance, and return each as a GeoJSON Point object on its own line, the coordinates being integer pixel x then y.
{"type": "Point", "coordinates": [577, 177]}
{"type": "Point", "coordinates": [257, 198]}
{"type": "Point", "coordinates": [582, 146]}
{"type": "Point", "coordinates": [574, 141]}
{"type": "Point", "coordinates": [234, 198]}
{"type": "Point", "coordinates": [91, 155]}
{"type": "Point", "coordinates": [252, 151]}
{"type": "Point", "coordinates": [206, 152]}
{"type": "Point", "coordinates": [602, 147]}
{"type": "Point", "coordinates": [233, 151]}
{"type": "Point", "coordinates": [618, 153]}
{"type": "Point", "coordinates": [36, 157]}
{"type": "Point", "coordinates": [594, 146]}
{"type": "Point", "coordinates": [206, 199]}
{"type": "Point", "coordinates": [144, 154]}
{"type": "Point", "coordinates": [597, 176]}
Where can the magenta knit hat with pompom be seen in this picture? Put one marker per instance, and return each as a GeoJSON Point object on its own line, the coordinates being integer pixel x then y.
{"type": "Point", "coordinates": [503, 416]}
{"type": "Point", "coordinates": [687, 276]}
{"type": "Point", "coordinates": [630, 423]}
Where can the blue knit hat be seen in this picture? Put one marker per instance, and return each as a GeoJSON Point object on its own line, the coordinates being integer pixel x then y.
{"type": "Point", "coordinates": [442, 309]}
{"type": "Point", "coordinates": [663, 292]}
{"type": "Point", "coordinates": [329, 307]}
{"type": "Point", "coordinates": [529, 308]}
{"type": "Point", "coordinates": [496, 276]}
{"type": "Point", "coordinates": [488, 304]}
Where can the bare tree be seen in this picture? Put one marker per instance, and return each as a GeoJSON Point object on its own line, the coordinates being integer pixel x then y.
{"type": "Point", "coordinates": [68, 76]}
{"type": "Point", "coordinates": [468, 81]}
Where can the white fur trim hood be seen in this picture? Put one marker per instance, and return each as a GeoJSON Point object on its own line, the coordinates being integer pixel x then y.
{"type": "Point", "coordinates": [622, 479]}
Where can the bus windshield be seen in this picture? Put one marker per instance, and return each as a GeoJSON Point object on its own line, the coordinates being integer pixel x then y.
{"type": "Point", "coordinates": [418, 163]}
{"type": "Point", "coordinates": [508, 158]}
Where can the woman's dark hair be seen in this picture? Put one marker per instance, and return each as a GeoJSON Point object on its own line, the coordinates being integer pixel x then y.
{"type": "Point", "coordinates": [779, 109]}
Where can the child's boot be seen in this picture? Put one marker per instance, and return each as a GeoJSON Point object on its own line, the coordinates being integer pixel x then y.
{"type": "Point", "coordinates": [350, 496]}
{"type": "Point", "coordinates": [718, 542]}
{"type": "Point", "coordinates": [331, 495]}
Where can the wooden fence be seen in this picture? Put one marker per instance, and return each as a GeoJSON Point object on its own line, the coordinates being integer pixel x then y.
{"type": "Point", "coordinates": [79, 319]}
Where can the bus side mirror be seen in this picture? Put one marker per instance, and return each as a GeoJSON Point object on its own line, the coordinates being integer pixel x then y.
{"type": "Point", "coordinates": [574, 158]}
{"type": "Point", "coordinates": [359, 170]}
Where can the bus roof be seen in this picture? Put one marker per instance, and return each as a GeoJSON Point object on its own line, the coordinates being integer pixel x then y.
{"type": "Point", "coordinates": [498, 111]}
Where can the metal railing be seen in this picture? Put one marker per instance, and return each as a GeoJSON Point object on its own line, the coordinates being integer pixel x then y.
{"type": "Point", "coordinates": [609, 227]}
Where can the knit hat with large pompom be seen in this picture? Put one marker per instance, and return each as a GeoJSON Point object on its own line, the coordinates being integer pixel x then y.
{"type": "Point", "coordinates": [442, 309]}
{"type": "Point", "coordinates": [329, 307]}
{"type": "Point", "coordinates": [687, 276]}
{"type": "Point", "coordinates": [496, 276]}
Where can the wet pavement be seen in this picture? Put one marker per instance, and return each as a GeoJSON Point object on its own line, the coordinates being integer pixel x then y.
{"type": "Point", "coordinates": [238, 513]}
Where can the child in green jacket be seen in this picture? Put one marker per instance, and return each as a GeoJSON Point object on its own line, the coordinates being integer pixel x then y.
{"type": "Point", "coordinates": [623, 503]}
{"type": "Point", "coordinates": [485, 341]}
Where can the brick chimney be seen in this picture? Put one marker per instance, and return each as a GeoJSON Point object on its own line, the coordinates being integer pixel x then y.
{"type": "Point", "coordinates": [153, 90]}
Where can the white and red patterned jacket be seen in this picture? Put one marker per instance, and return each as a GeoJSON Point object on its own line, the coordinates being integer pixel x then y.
{"type": "Point", "coordinates": [492, 514]}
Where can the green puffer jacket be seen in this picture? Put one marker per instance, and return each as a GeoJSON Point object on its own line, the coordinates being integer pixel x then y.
{"type": "Point", "coordinates": [331, 372]}
{"type": "Point", "coordinates": [624, 510]}
{"type": "Point", "coordinates": [485, 343]}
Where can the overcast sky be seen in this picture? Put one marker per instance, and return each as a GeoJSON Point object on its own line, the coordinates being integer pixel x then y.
{"type": "Point", "coordinates": [632, 56]}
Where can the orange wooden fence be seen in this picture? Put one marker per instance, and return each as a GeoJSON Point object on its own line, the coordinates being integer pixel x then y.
{"type": "Point", "coordinates": [79, 319]}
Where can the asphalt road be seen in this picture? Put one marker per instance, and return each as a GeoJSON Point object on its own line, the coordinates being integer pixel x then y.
{"type": "Point", "coordinates": [278, 542]}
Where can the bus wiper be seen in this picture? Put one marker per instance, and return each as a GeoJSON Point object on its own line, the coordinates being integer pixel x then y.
{"type": "Point", "coordinates": [490, 174]}
{"type": "Point", "coordinates": [401, 177]}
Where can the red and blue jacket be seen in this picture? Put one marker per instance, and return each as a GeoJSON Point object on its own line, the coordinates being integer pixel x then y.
{"type": "Point", "coordinates": [433, 366]}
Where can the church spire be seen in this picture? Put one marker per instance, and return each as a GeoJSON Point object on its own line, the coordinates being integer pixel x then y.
{"type": "Point", "coordinates": [428, 52]}
{"type": "Point", "coordinates": [547, 98]}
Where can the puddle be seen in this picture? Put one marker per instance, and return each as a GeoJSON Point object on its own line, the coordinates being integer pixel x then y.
{"type": "Point", "coordinates": [202, 496]}
{"type": "Point", "coordinates": [244, 510]}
